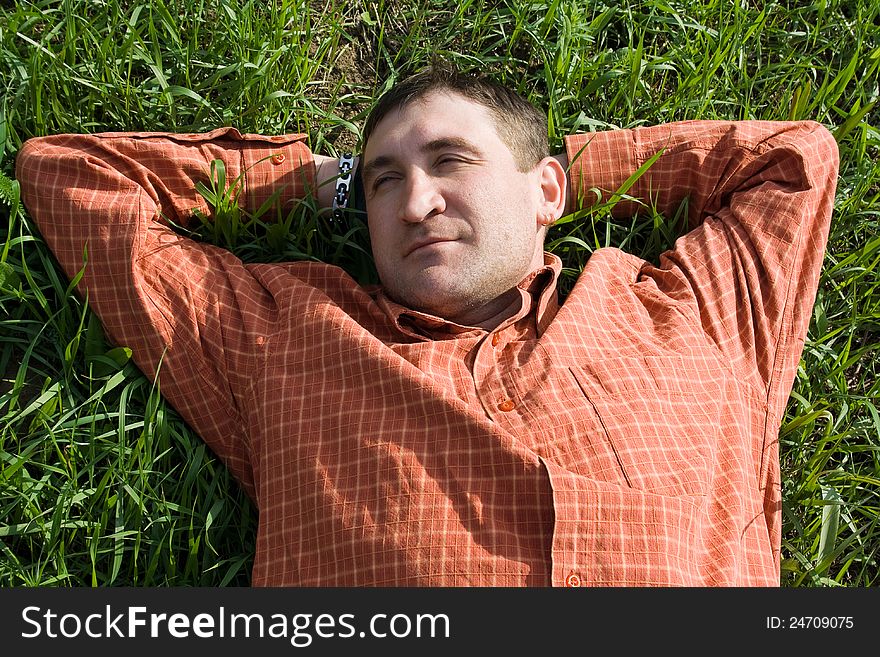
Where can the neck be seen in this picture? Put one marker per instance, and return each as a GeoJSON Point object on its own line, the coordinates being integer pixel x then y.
{"type": "Point", "coordinates": [490, 315]}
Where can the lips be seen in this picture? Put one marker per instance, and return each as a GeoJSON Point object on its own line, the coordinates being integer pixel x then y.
{"type": "Point", "coordinates": [426, 241]}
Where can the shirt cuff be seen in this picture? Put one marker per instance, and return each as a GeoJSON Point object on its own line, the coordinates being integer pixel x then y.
{"type": "Point", "coordinates": [281, 166]}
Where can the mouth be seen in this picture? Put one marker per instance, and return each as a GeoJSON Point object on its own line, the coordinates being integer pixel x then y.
{"type": "Point", "coordinates": [428, 241]}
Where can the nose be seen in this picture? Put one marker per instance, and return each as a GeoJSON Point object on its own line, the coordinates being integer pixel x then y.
{"type": "Point", "coordinates": [422, 198]}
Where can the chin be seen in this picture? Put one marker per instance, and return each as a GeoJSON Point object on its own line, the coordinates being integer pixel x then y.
{"type": "Point", "coordinates": [426, 294]}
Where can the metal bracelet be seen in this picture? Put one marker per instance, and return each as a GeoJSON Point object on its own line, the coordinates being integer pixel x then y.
{"type": "Point", "coordinates": [343, 185]}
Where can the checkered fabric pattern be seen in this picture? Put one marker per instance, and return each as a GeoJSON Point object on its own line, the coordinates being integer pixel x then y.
{"type": "Point", "coordinates": [625, 437]}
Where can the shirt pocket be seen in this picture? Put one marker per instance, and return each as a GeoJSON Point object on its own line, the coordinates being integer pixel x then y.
{"type": "Point", "coordinates": [661, 415]}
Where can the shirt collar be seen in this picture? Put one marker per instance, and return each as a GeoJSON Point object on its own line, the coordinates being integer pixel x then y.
{"type": "Point", "coordinates": [539, 307]}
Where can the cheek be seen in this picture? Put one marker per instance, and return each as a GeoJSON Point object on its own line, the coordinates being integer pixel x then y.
{"type": "Point", "coordinates": [377, 224]}
{"type": "Point", "coordinates": [499, 194]}
{"type": "Point", "coordinates": [382, 244]}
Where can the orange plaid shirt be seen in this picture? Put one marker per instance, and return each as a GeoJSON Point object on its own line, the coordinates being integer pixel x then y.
{"type": "Point", "coordinates": [626, 437]}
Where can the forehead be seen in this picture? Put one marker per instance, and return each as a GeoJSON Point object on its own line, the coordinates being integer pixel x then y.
{"type": "Point", "coordinates": [438, 114]}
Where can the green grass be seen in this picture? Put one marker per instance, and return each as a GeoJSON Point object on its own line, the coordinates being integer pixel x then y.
{"type": "Point", "coordinates": [101, 483]}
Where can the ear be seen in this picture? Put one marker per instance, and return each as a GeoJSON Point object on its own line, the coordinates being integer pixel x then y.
{"type": "Point", "coordinates": [554, 188]}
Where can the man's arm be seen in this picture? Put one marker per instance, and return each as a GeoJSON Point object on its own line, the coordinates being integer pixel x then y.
{"type": "Point", "coordinates": [760, 197]}
{"type": "Point", "coordinates": [192, 312]}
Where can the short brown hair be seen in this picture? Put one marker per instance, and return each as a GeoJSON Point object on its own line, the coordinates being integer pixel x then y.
{"type": "Point", "coordinates": [520, 125]}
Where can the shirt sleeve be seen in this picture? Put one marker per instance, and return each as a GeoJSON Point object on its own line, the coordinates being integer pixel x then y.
{"type": "Point", "coordinates": [193, 314]}
{"type": "Point", "coordinates": [759, 199]}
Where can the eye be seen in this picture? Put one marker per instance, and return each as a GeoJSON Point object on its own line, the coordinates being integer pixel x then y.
{"type": "Point", "coordinates": [380, 180]}
{"type": "Point", "coordinates": [448, 160]}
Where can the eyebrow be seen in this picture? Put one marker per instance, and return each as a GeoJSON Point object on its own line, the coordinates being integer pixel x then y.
{"type": "Point", "coordinates": [439, 144]}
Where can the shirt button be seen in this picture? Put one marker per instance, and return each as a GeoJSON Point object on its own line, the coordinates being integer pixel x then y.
{"type": "Point", "coordinates": [278, 158]}
{"type": "Point", "coordinates": [573, 580]}
{"type": "Point", "coordinates": [506, 405]}
{"type": "Point", "coordinates": [495, 339]}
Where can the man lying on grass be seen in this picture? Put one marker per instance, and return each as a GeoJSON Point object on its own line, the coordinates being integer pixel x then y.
{"type": "Point", "coordinates": [457, 425]}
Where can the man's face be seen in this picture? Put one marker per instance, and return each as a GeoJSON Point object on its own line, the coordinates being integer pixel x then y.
{"type": "Point", "coordinates": [453, 222]}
